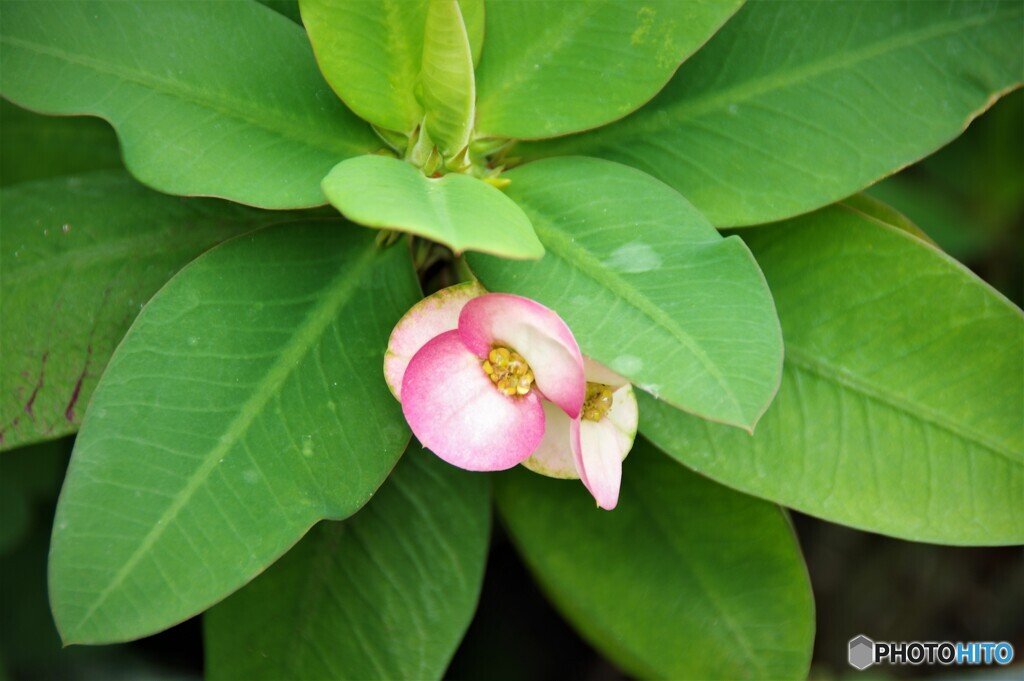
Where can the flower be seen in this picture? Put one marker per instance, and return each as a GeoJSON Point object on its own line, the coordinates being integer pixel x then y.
{"type": "Point", "coordinates": [591, 447]}
{"type": "Point", "coordinates": [470, 369]}
{"type": "Point", "coordinates": [490, 380]}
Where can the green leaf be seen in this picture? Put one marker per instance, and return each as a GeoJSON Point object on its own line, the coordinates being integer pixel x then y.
{"type": "Point", "coordinates": [208, 98]}
{"type": "Point", "coordinates": [372, 53]}
{"type": "Point", "coordinates": [552, 68]}
{"type": "Point", "coordinates": [34, 147]}
{"type": "Point", "coordinates": [647, 285]}
{"type": "Point", "coordinates": [901, 401]}
{"type": "Point", "coordinates": [795, 105]}
{"type": "Point", "coordinates": [684, 579]}
{"type": "Point", "coordinates": [246, 403]}
{"type": "Point", "coordinates": [459, 211]}
{"type": "Point", "coordinates": [81, 255]}
{"type": "Point", "coordinates": [385, 594]}
{"type": "Point", "coordinates": [874, 209]}
{"type": "Point", "coordinates": [447, 88]}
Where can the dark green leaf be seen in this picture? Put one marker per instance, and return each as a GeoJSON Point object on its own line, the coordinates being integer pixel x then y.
{"type": "Point", "coordinates": [208, 98]}
{"type": "Point", "coordinates": [246, 403]}
{"type": "Point", "coordinates": [901, 401]}
{"type": "Point", "coordinates": [647, 285]}
{"type": "Point", "coordinates": [551, 68]}
{"type": "Point", "coordinates": [685, 579]}
{"type": "Point", "coordinates": [794, 105]}
{"type": "Point", "coordinates": [34, 147]}
{"type": "Point", "coordinates": [386, 594]}
{"type": "Point", "coordinates": [81, 255]}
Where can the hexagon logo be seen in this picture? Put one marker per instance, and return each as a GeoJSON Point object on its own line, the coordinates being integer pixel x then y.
{"type": "Point", "coordinates": [862, 652]}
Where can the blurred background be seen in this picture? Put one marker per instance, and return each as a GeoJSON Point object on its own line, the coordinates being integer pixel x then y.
{"type": "Point", "coordinates": [969, 197]}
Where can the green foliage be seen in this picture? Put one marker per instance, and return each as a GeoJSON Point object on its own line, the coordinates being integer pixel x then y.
{"type": "Point", "coordinates": [628, 262]}
{"type": "Point", "coordinates": [34, 147]}
{"type": "Point", "coordinates": [459, 211]}
{"type": "Point", "coordinates": [200, 106]}
{"type": "Point", "coordinates": [245, 404]}
{"type": "Point", "coordinates": [373, 54]}
{"type": "Point", "coordinates": [551, 68]}
{"type": "Point", "coordinates": [81, 255]}
{"type": "Point", "coordinates": [900, 404]}
{"type": "Point", "coordinates": [684, 579]}
{"type": "Point", "coordinates": [793, 105]}
{"type": "Point", "coordinates": [386, 594]}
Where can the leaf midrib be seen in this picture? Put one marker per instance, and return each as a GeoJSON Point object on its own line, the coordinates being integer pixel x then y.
{"type": "Point", "coordinates": [587, 264]}
{"type": "Point", "coordinates": [829, 372]}
{"type": "Point", "coordinates": [272, 120]}
{"type": "Point", "coordinates": [340, 290]}
{"type": "Point", "coordinates": [688, 109]}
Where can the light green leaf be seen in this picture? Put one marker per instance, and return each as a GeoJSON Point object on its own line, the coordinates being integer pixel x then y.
{"type": "Point", "coordinates": [648, 286]}
{"type": "Point", "coordinates": [34, 147]}
{"type": "Point", "coordinates": [900, 406]}
{"type": "Point", "coordinates": [386, 594]}
{"type": "Point", "coordinates": [372, 53]}
{"type": "Point", "coordinates": [459, 211]}
{"type": "Point", "coordinates": [208, 98]}
{"type": "Point", "coordinates": [81, 255]}
{"type": "Point", "coordinates": [551, 68]}
{"type": "Point", "coordinates": [246, 403]}
{"type": "Point", "coordinates": [874, 209]}
{"type": "Point", "coordinates": [795, 105]}
{"type": "Point", "coordinates": [685, 579]}
{"type": "Point", "coordinates": [447, 88]}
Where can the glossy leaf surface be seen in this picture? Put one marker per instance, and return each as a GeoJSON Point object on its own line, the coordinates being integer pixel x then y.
{"type": "Point", "coordinates": [34, 147]}
{"type": "Point", "coordinates": [208, 98]}
{"type": "Point", "coordinates": [901, 401]}
{"type": "Point", "coordinates": [245, 404]}
{"type": "Point", "coordinates": [456, 210]}
{"type": "Point", "coordinates": [795, 105]}
{"type": "Point", "coordinates": [551, 68]}
{"type": "Point", "coordinates": [681, 559]}
{"type": "Point", "coordinates": [81, 255]}
{"type": "Point", "coordinates": [386, 594]}
{"type": "Point", "coordinates": [446, 85]}
{"type": "Point", "coordinates": [372, 53]}
{"type": "Point", "coordinates": [647, 285]}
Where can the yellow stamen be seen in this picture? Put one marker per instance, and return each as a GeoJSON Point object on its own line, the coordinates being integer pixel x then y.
{"type": "Point", "coordinates": [598, 401]}
{"type": "Point", "coordinates": [508, 371]}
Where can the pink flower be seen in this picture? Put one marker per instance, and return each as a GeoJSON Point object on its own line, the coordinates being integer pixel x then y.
{"type": "Point", "coordinates": [470, 369]}
{"type": "Point", "coordinates": [591, 447]}
{"type": "Point", "coordinates": [490, 380]}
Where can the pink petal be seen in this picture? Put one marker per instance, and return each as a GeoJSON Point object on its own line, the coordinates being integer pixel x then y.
{"type": "Point", "coordinates": [553, 457]}
{"type": "Point", "coordinates": [600, 447]}
{"type": "Point", "coordinates": [599, 373]}
{"type": "Point", "coordinates": [428, 318]}
{"type": "Point", "coordinates": [456, 411]}
{"type": "Point", "coordinates": [536, 333]}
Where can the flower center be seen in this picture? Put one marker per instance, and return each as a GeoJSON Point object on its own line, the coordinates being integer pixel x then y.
{"type": "Point", "coordinates": [598, 401]}
{"type": "Point", "coordinates": [509, 371]}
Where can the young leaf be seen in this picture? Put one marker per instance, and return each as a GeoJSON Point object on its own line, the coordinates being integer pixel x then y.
{"type": "Point", "coordinates": [447, 88]}
{"type": "Point", "coordinates": [794, 105]}
{"type": "Point", "coordinates": [81, 255]}
{"type": "Point", "coordinates": [386, 594]}
{"type": "Point", "coordinates": [685, 579]}
{"type": "Point", "coordinates": [34, 147]}
{"type": "Point", "coordinates": [208, 98]}
{"type": "Point", "coordinates": [647, 285]}
{"type": "Point", "coordinates": [901, 401]}
{"type": "Point", "coordinates": [246, 403]}
{"type": "Point", "coordinates": [372, 53]}
{"type": "Point", "coordinates": [459, 211]}
{"type": "Point", "coordinates": [552, 68]}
